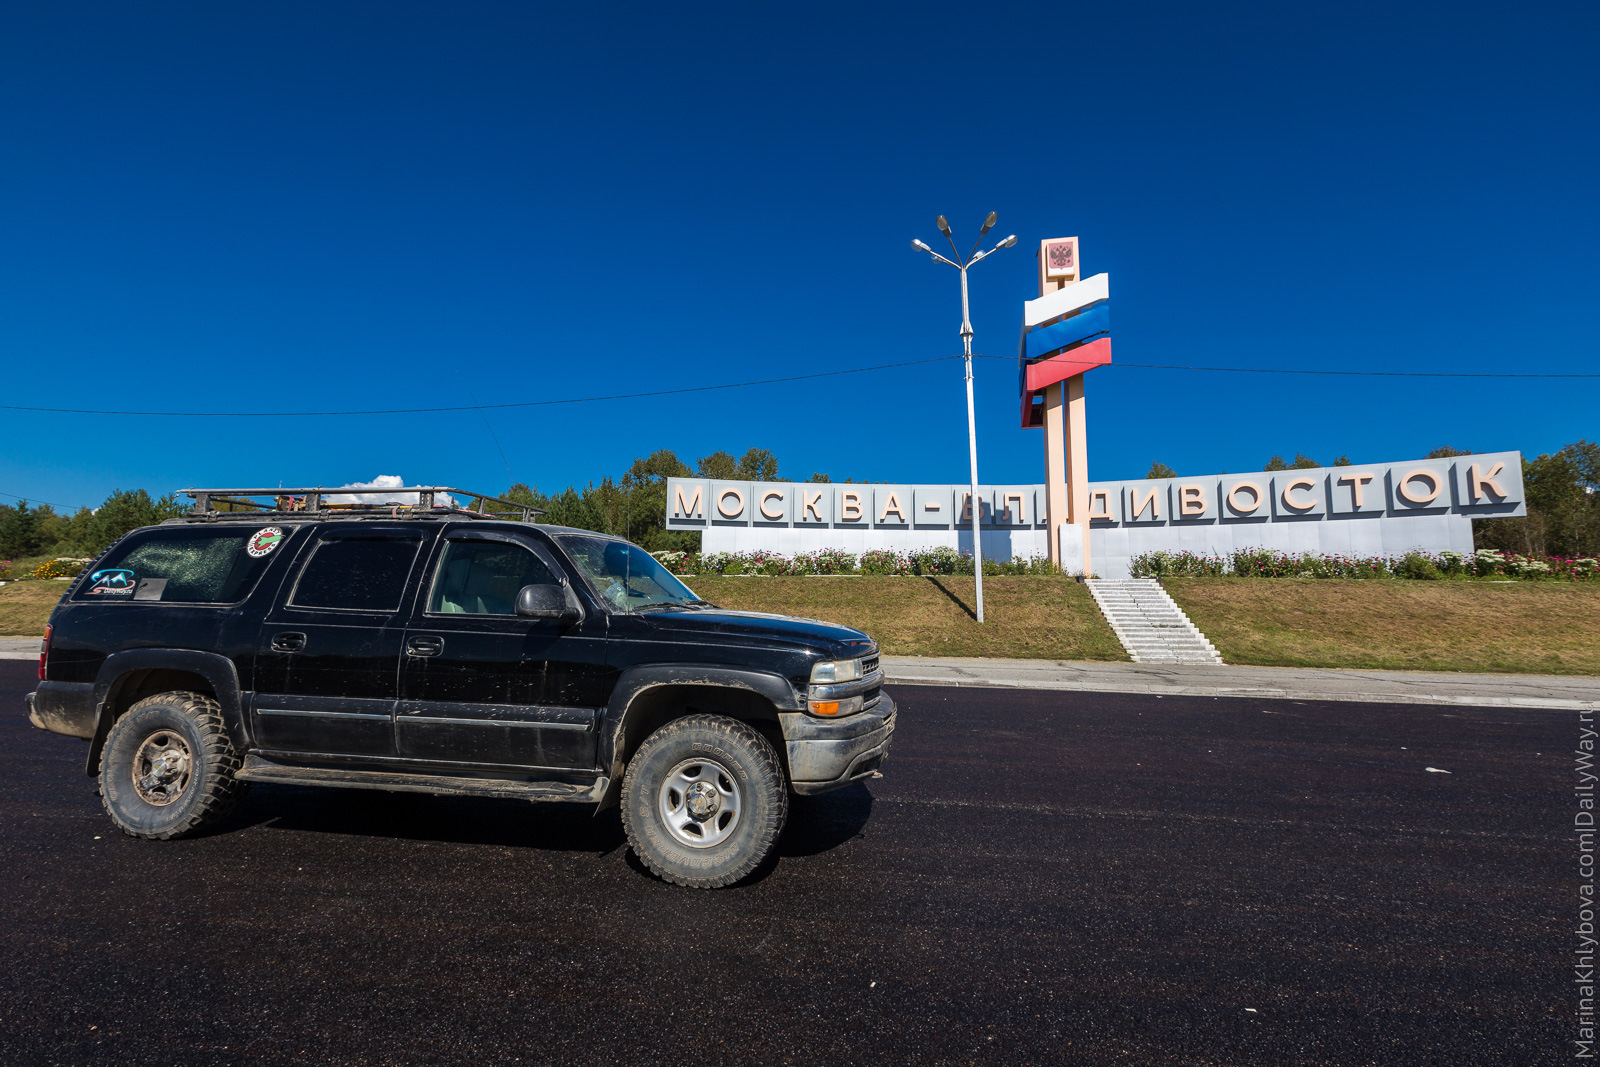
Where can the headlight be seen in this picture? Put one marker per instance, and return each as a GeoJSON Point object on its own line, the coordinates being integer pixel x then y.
{"type": "Point", "coordinates": [829, 672]}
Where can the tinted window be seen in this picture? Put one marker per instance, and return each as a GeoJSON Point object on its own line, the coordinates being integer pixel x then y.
{"type": "Point", "coordinates": [482, 578]}
{"type": "Point", "coordinates": [187, 564]}
{"type": "Point", "coordinates": [368, 574]}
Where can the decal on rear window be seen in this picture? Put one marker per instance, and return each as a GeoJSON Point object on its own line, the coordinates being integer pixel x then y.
{"type": "Point", "coordinates": [113, 581]}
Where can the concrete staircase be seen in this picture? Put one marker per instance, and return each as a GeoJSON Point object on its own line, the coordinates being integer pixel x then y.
{"type": "Point", "coordinates": [1150, 626]}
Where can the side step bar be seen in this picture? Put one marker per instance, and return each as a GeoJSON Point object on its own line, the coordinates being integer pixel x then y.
{"type": "Point", "coordinates": [261, 769]}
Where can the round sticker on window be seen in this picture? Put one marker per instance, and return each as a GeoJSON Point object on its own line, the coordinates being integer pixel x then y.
{"type": "Point", "coordinates": [263, 541]}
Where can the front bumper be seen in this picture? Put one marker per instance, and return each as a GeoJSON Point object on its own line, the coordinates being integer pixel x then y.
{"type": "Point", "coordinates": [826, 754]}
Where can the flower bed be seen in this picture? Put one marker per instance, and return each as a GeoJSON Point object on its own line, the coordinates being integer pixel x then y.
{"type": "Point", "coordinates": [831, 561]}
{"type": "Point", "coordinates": [1265, 563]}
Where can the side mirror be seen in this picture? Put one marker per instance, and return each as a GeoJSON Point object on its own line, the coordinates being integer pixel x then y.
{"type": "Point", "coordinates": [548, 602]}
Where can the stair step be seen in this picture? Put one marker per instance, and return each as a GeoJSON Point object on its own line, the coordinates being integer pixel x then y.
{"type": "Point", "coordinates": [1149, 624]}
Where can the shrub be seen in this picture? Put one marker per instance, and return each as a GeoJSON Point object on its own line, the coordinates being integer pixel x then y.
{"type": "Point", "coordinates": [1031, 565]}
{"type": "Point", "coordinates": [1176, 565]}
{"type": "Point", "coordinates": [884, 561]}
{"type": "Point", "coordinates": [1487, 562]}
{"type": "Point", "coordinates": [1263, 563]}
{"type": "Point", "coordinates": [1417, 566]}
{"type": "Point", "coordinates": [941, 560]}
{"type": "Point", "coordinates": [828, 561]}
{"type": "Point", "coordinates": [676, 562]}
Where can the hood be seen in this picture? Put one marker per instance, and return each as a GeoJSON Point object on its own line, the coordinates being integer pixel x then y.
{"type": "Point", "coordinates": [830, 637]}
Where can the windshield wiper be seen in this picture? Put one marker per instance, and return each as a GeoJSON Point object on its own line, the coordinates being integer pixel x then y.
{"type": "Point", "coordinates": [674, 605]}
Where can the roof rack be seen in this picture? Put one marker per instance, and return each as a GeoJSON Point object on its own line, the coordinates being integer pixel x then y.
{"type": "Point", "coordinates": [391, 502]}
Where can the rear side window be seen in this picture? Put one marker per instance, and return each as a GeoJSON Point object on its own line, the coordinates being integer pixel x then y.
{"type": "Point", "coordinates": [192, 565]}
{"type": "Point", "coordinates": [356, 573]}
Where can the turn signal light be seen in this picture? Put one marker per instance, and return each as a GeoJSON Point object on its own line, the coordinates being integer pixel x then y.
{"type": "Point", "coordinates": [832, 709]}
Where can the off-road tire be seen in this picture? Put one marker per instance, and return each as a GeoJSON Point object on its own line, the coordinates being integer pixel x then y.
{"type": "Point", "coordinates": [763, 798]}
{"type": "Point", "coordinates": [208, 793]}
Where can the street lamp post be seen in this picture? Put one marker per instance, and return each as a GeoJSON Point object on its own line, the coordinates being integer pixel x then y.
{"type": "Point", "coordinates": [966, 344]}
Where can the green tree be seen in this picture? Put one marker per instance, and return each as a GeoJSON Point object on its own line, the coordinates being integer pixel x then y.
{"type": "Point", "coordinates": [1276, 463]}
{"type": "Point", "coordinates": [644, 504]}
{"type": "Point", "coordinates": [19, 534]}
{"type": "Point", "coordinates": [49, 528]}
{"type": "Point", "coordinates": [1563, 507]}
{"type": "Point", "coordinates": [129, 509]}
{"type": "Point", "coordinates": [522, 493]}
{"type": "Point", "coordinates": [1161, 470]}
{"type": "Point", "coordinates": [1585, 457]}
{"type": "Point", "coordinates": [578, 510]}
{"type": "Point", "coordinates": [1303, 462]}
{"type": "Point", "coordinates": [1342, 461]}
{"type": "Point", "coordinates": [818, 478]}
{"type": "Point", "coordinates": [1446, 452]}
{"type": "Point", "coordinates": [719, 465]}
{"type": "Point", "coordinates": [759, 465]}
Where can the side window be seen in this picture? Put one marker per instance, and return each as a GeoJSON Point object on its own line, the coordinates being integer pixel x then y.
{"type": "Point", "coordinates": [365, 574]}
{"type": "Point", "coordinates": [482, 578]}
{"type": "Point", "coordinates": [183, 564]}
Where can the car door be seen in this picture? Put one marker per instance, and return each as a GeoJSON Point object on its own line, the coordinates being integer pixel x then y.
{"type": "Point", "coordinates": [328, 654]}
{"type": "Point", "coordinates": [482, 686]}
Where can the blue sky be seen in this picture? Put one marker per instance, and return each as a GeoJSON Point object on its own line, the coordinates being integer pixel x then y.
{"type": "Point", "coordinates": [337, 206]}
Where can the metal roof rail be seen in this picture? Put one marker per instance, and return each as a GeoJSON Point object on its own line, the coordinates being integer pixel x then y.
{"type": "Point", "coordinates": [220, 504]}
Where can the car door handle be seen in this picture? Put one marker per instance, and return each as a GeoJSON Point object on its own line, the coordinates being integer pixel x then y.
{"type": "Point", "coordinates": [424, 646]}
{"type": "Point", "coordinates": [290, 642]}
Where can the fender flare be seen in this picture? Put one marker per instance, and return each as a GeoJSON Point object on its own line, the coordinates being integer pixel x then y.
{"type": "Point", "coordinates": [638, 680]}
{"type": "Point", "coordinates": [117, 667]}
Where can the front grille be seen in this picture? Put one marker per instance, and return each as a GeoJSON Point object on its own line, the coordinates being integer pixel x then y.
{"type": "Point", "coordinates": [869, 664]}
{"type": "Point", "coordinates": [870, 698]}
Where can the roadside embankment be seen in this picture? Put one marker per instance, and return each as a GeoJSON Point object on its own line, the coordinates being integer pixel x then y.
{"type": "Point", "coordinates": [1522, 627]}
{"type": "Point", "coordinates": [26, 606]}
{"type": "Point", "coordinates": [1038, 617]}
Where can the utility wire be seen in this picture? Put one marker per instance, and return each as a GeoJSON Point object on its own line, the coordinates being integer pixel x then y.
{"type": "Point", "coordinates": [31, 500]}
{"type": "Point", "coordinates": [745, 385]}
{"type": "Point", "coordinates": [492, 435]}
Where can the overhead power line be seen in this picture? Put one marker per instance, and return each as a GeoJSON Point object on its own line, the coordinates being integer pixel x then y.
{"type": "Point", "coordinates": [746, 385]}
{"type": "Point", "coordinates": [31, 500]}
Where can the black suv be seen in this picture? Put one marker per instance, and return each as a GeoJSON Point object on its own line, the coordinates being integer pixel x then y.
{"type": "Point", "coordinates": [434, 648]}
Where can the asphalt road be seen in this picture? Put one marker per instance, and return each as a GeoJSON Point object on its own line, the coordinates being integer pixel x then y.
{"type": "Point", "coordinates": [1039, 878]}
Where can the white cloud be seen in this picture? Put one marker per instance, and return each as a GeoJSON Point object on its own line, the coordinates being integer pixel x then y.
{"type": "Point", "coordinates": [382, 481]}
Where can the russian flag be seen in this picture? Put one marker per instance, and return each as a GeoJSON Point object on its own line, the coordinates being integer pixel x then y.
{"type": "Point", "coordinates": [1064, 333]}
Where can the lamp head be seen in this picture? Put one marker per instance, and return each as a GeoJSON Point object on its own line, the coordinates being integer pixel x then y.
{"type": "Point", "coordinates": [920, 246]}
{"type": "Point", "coordinates": [1008, 242]}
{"type": "Point", "coordinates": [987, 223]}
{"type": "Point", "coordinates": [944, 227]}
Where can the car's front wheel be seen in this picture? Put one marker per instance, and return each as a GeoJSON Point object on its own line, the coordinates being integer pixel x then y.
{"type": "Point", "coordinates": [168, 767]}
{"type": "Point", "coordinates": [704, 801]}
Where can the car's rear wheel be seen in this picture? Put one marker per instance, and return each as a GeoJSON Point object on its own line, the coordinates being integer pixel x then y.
{"type": "Point", "coordinates": [704, 801]}
{"type": "Point", "coordinates": [168, 767]}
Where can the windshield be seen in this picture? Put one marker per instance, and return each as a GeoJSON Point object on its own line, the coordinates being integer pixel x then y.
{"type": "Point", "coordinates": [626, 576]}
